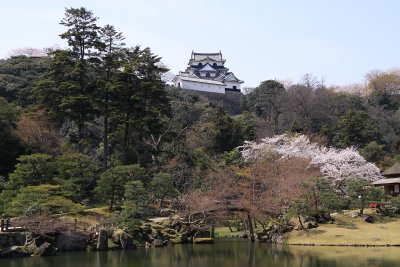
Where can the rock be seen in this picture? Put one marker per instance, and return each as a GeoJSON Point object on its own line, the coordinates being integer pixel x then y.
{"type": "Point", "coordinates": [150, 238]}
{"type": "Point", "coordinates": [14, 252]}
{"type": "Point", "coordinates": [147, 229]}
{"type": "Point", "coordinates": [287, 228]}
{"type": "Point", "coordinates": [31, 244]}
{"type": "Point", "coordinates": [354, 215]}
{"type": "Point", "coordinates": [279, 239]}
{"type": "Point", "coordinates": [311, 224]}
{"type": "Point", "coordinates": [46, 249]}
{"type": "Point", "coordinates": [167, 212]}
{"type": "Point", "coordinates": [202, 233]}
{"type": "Point", "coordinates": [264, 238]}
{"type": "Point", "coordinates": [177, 225]}
{"type": "Point", "coordinates": [167, 243]}
{"type": "Point", "coordinates": [324, 218]}
{"type": "Point", "coordinates": [157, 243]}
{"type": "Point", "coordinates": [127, 241]}
{"type": "Point", "coordinates": [9, 239]}
{"type": "Point", "coordinates": [102, 241]}
{"type": "Point", "coordinates": [298, 228]}
{"type": "Point", "coordinates": [170, 231]}
{"type": "Point", "coordinates": [180, 239]}
{"type": "Point", "coordinates": [243, 235]}
{"type": "Point", "coordinates": [369, 219]}
{"type": "Point", "coordinates": [71, 241]}
{"type": "Point", "coordinates": [115, 238]}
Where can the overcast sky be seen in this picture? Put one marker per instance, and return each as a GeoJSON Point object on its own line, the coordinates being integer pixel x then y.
{"type": "Point", "coordinates": [340, 40]}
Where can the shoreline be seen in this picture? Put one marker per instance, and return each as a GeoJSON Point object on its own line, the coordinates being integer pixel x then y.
{"type": "Point", "coordinates": [341, 245]}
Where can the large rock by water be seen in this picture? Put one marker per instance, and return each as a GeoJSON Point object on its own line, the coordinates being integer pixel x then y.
{"type": "Point", "coordinates": [9, 239]}
{"type": "Point", "coordinates": [72, 240]}
{"type": "Point", "coordinates": [46, 249]}
{"type": "Point", "coordinates": [102, 241]}
{"type": "Point", "coordinates": [14, 252]}
{"type": "Point", "coordinates": [123, 240]}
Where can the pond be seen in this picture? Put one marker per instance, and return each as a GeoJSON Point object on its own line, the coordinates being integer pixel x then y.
{"type": "Point", "coordinates": [224, 253]}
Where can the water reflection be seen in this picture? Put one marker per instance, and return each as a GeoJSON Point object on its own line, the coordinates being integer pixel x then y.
{"type": "Point", "coordinates": [229, 253]}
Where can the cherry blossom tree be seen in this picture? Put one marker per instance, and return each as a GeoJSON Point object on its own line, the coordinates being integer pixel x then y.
{"type": "Point", "coordinates": [338, 165]}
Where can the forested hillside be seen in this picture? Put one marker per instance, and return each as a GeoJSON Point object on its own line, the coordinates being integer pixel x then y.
{"type": "Point", "coordinates": [95, 125]}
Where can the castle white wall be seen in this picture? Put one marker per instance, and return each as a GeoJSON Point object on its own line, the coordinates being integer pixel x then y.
{"type": "Point", "coordinates": [231, 84]}
{"type": "Point", "coordinates": [213, 88]}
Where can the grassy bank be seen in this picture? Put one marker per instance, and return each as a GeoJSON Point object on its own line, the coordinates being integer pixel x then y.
{"type": "Point", "coordinates": [351, 231]}
{"type": "Point", "coordinates": [345, 231]}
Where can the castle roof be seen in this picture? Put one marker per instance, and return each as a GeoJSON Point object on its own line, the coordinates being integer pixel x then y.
{"type": "Point", "coordinates": [205, 56]}
{"type": "Point", "coordinates": [207, 67]}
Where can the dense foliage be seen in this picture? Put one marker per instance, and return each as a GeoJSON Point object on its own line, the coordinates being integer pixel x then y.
{"type": "Point", "coordinates": [95, 125]}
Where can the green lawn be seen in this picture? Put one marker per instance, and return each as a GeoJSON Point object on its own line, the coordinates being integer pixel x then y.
{"type": "Point", "coordinates": [351, 231]}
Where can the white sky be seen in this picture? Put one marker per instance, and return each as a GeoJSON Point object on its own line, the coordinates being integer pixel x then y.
{"type": "Point", "coordinates": [282, 39]}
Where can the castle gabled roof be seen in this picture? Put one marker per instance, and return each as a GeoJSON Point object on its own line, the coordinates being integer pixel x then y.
{"type": "Point", "coordinates": [207, 67]}
{"type": "Point", "coordinates": [204, 56]}
{"type": "Point", "coordinates": [230, 77]}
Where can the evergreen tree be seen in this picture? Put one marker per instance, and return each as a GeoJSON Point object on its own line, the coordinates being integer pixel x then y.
{"type": "Point", "coordinates": [111, 55]}
{"type": "Point", "coordinates": [40, 199]}
{"type": "Point", "coordinates": [142, 102]}
{"type": "Point", "coordinates": [111, 185]}
{"type": "Point", "coordinates": [9, 142]}
{"type": "Point", "coordinates": [163, 187]}
{"type": "Point", "coordinates": [77, 175]}
{"type": "Point", "coordinates": [67, 88]}
{"type": "Point", "coordinates": [34, 169]}
{"type": "Point", "coordinates": [136, 204]}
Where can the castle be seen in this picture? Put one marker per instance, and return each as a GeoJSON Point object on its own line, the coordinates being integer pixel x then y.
{"type": "Point", "coordinates": [206, 72]}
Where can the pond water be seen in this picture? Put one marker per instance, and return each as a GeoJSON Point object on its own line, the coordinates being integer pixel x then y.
{"type": "Point", "coordinates": [224, 253]}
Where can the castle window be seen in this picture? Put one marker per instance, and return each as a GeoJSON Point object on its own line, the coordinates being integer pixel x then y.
{"type": "Point", "coordinates": [207, 74]}
{"type": "Point", "coordinates": [214, 65]}
{"type": "Point", "coordinates": [200, 64]}
{"type": "Point", "coordinates": [234, 87]}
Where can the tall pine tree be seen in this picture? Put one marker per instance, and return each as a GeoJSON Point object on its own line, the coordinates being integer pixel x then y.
{"type": "Point", "coordinates": [111, 56]}
{"type": "Point", "coordinates": [67, 88]}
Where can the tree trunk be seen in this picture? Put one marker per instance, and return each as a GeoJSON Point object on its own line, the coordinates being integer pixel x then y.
{"type": "Point", "coordinates": [126, 140]}
{"type": "Point", "coordinates": [276, 123]}
{"type": "Point", "coordinates": [112, 201]}
{"type": "Point", "coordinates": [229, 226]}
{"type": "Point", "coordinates": [212, 229]}
{"type": "Point", "coordinates": [105, 138]}
{"type": "Point", "coordinates": [250, 222]}
{"type": "Point", "coordinates": [301, 223]}
{"type": "Point", "coordinates": [362, 205]}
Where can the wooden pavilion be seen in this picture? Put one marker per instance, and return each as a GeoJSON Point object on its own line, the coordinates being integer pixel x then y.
{"type": "Point", "coordinates": [391, 182]}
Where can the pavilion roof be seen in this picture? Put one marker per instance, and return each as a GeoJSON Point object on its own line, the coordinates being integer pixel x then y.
{"type": "Point", "coordinates": [387, 181]}
{"type": "Point", "coordinates": [392, 171]}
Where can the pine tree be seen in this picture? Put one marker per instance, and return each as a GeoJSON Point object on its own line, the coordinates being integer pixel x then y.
{"type": "Point", "coordinates": [111, 56]}
{"type": "Point", "coordinates": [67, 88]}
